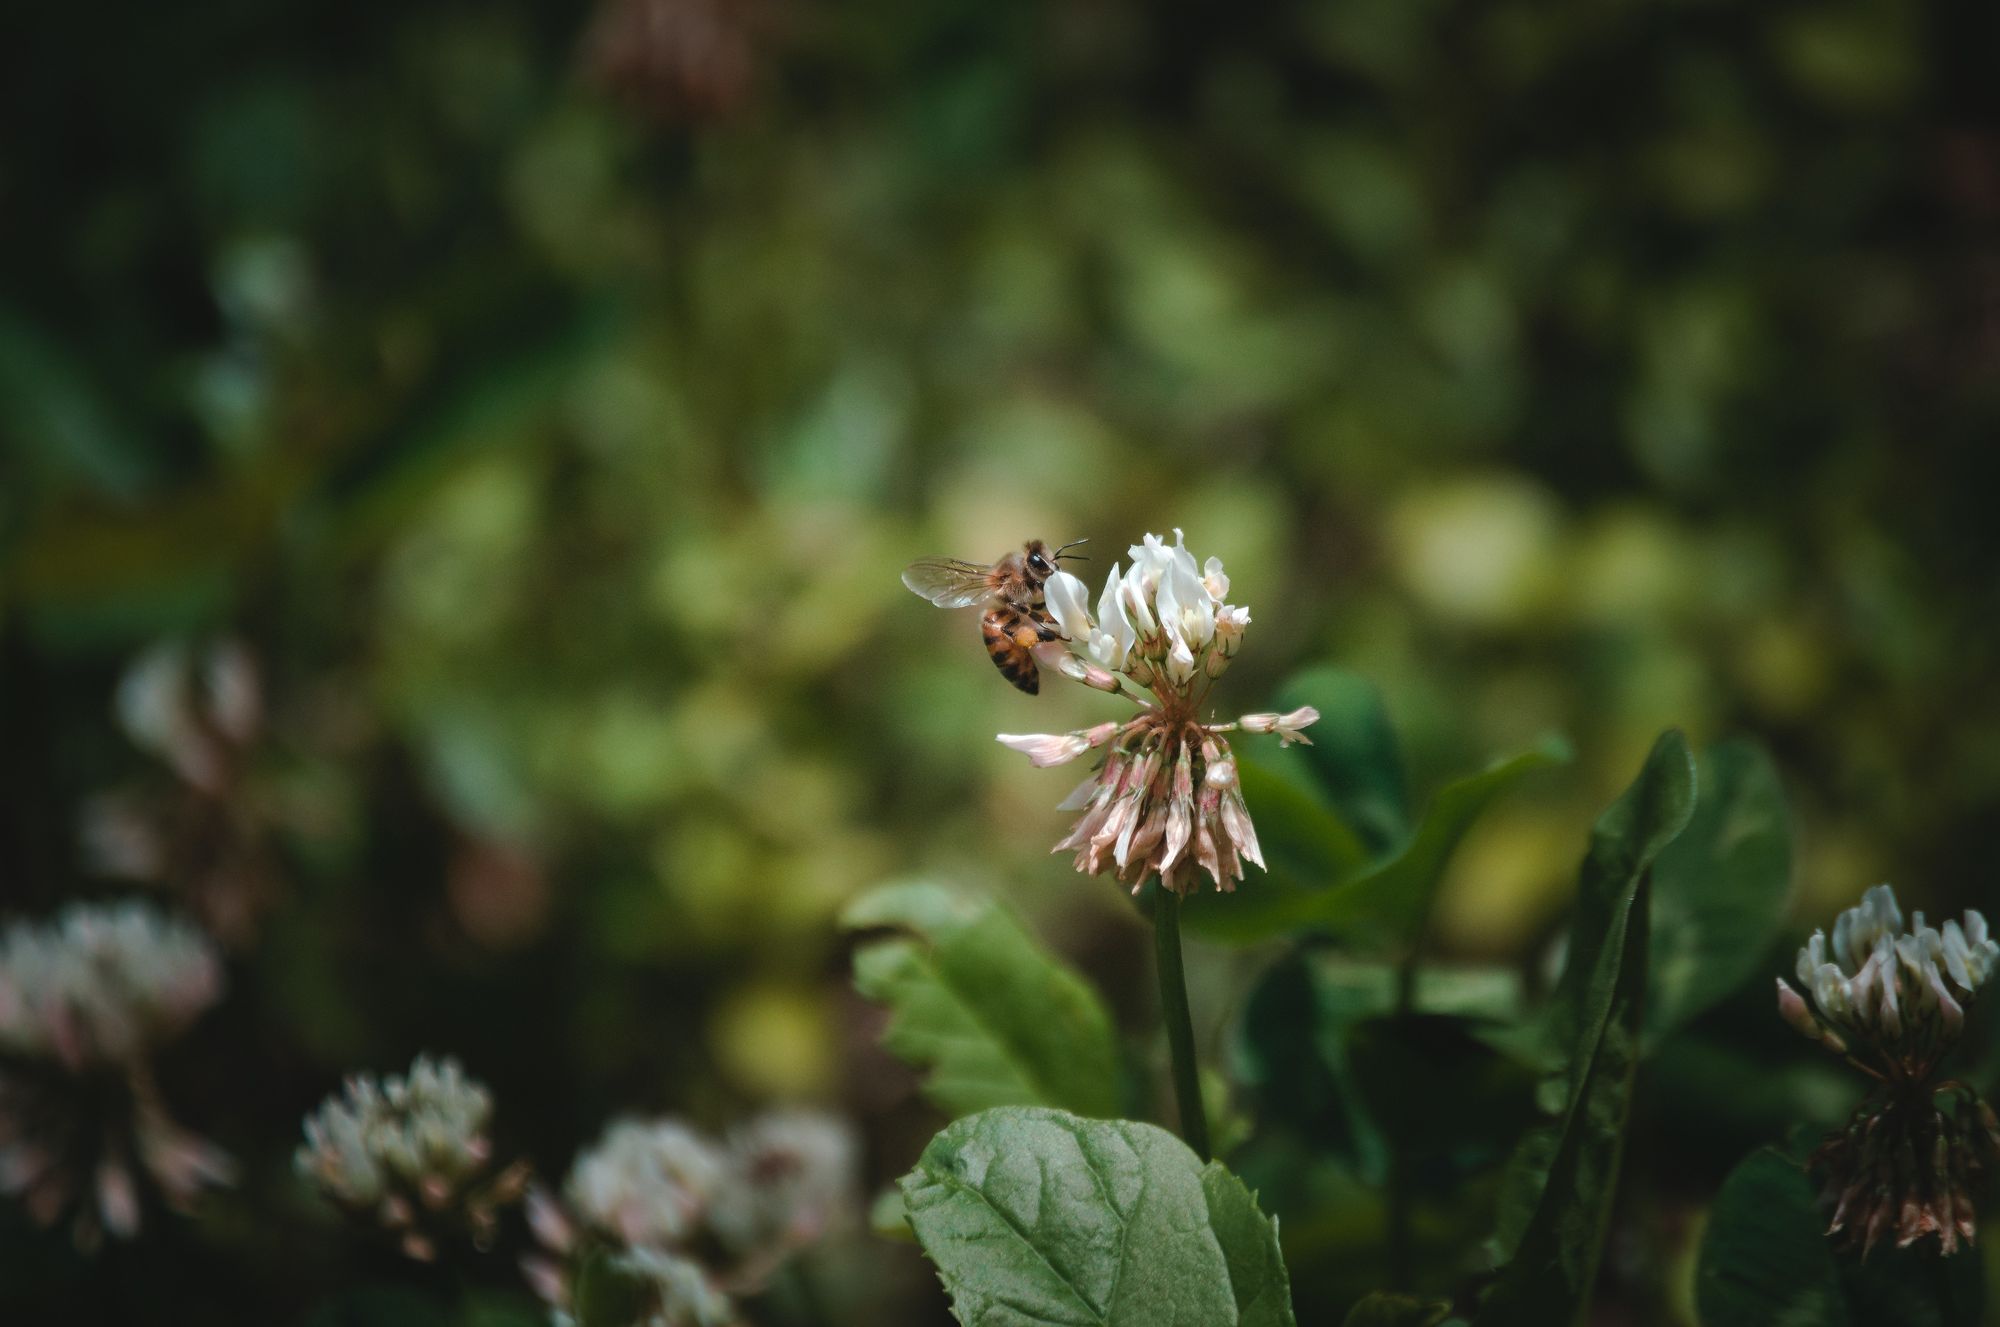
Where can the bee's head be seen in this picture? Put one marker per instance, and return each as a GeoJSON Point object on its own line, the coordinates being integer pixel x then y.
{"type": "Point", "coordinates": [1041, 561]}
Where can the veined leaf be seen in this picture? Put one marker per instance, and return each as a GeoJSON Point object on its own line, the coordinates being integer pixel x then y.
{"type": "Point", "coordinates": [1556, 1238]}
{"type": "Point", "coordinates": [1039, 1217]}
{"type": "Point", "coordinates": [995, 1018]}
{"type": "Point", "coordinates": [1765, 1261]}
{"type": "Point", "coordinates": [1719, 890]}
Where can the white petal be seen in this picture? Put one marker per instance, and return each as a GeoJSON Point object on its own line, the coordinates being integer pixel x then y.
{"type": "Point", "coordinates": [1068, 601]}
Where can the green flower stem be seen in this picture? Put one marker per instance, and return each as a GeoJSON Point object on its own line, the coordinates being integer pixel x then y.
{"type": "Point", "coordinates": [1400, 1261]}
{"type": "Point", "coordinates": [1180, 1027]}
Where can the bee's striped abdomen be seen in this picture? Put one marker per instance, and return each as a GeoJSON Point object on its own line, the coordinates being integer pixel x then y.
{"type": "Point", "coordinates": [1010, 636]}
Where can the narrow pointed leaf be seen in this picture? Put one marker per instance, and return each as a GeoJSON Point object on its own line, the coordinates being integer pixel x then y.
{"type": "Point", "coordinates": [1561, 1187]}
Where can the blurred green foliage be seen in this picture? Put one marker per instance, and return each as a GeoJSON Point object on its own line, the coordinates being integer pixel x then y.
{"type": "Point", "coordinates": [553, 426]}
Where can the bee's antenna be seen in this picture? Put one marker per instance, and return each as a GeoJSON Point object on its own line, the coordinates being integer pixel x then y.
{"type": "Point", "coordinates": [1072, 544]}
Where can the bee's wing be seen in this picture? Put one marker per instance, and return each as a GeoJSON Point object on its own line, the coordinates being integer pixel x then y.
{"type": "Point", "coordinates": [948, 582]}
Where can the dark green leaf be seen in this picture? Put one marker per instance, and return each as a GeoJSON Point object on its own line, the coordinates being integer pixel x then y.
{"type": "Point", "coordinates": [1384, 1309]}
{"type": "Point", "coordinates": [1914, 1287]}
{"type": "Point", "coordinates": [1719, 890]}
{"type": "Point", "coordinates": [1390, 904]}
{"type": "Point", "coordinates": [1354, 755]}
{"type": "Point", "coordinates": [607, 1297]}
{"type": "Point", "coordinates": [1764, 1259]}
{"type": "Point", "coordinates": [1556, 1238]}
{"type": "Point", "coordinates": [973, 998]}
{"type": "Point", "coordinates": [1299, 1028]}
{"type": "Point", "coordinates": [1038, 1216]}
{"type": "Point", "coordinates": [1384, 903]}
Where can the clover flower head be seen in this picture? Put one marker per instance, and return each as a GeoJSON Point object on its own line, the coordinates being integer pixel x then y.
{"type": "Point", "coordinates": [794, 1177]}
{"type": "Point", "coordinates": [646, 1184]}
{"type": "Point", "coordinates": [412, 1151]}
{"type": "Point", "coordinates": [1165, 799]}
{"type": "Point", "coordinates": [85, 1002]}
{"type": "Point", "coordinates": [102, 984]}
{"type": "Point", "coordinates": [1894, 997]}
{"type": "Point", "coordinates": [1894, 1001]}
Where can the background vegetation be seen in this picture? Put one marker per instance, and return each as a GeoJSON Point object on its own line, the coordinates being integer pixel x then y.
{"type": "Point", "coordinates": [548, 400]}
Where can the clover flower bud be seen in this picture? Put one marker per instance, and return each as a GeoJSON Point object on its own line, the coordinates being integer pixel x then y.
{"type": "Point", "coordinates": [1289, 727]}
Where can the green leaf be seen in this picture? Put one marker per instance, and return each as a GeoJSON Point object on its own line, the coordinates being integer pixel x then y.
{"type": "Point", "coordinates": [606, 1296]}
{"type": "Point", "coordinates": [1390, 904]}
{"type": "Point", "coordinates": [1719, 890]}
{"type": "Point", "coordinates": [1385, 1309]}
{"type": "Point", "coordinates": [1385, 903]}
{"type": "Point", "coordinates": [1764, 1259]}
{"type": "Point", "coordinates": [1039, 1217]}
{"type": "Point", "coordinates": [1596, 1017]}
{"type": "Point", "coordinates": [1300, 1026]}
{"type": "Point", "coordinates": [995, 1018]}
{"type": "Point", "coordinates": [1354, 755]}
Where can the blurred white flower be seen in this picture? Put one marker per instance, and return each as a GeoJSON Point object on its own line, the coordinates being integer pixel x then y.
{"type": "Point", "coordinates": [646, 1184]}
{"type": "Point", "coordinates": [412, 1152]}
{"type": "Point", "coordinates": [103, 983]}
{"type": "Point", "coordinates": [85, 1001]}
{"type": "Point", "coordinates": [1166, 800]}
{"type": "Point", "coordinates": [794, 1176]}
{"type": "Point", "coordinates": [695, 1221]}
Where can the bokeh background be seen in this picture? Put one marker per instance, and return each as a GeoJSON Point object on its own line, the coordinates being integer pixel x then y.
{"type": "Point", "coordinates": [546, 398]}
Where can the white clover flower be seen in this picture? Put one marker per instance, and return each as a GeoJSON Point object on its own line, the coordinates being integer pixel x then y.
{"type": "Point", "coordinates": [1166, 800]}
{"type": "Point", "coordinates": [103, 984]}
{"type": "Point", "coordinates": [412, 1151]}
{"type": "Point", "coordinates": [680, 1293]}
{"type": "Point", "coordinates": [795, 1176]}
{"type": "Point", "coordinates": [1896, 997]}
{"type": "Point", "coordinates": [647, 1184]}
{"type": "Point", "coordinates": [85, 1001]}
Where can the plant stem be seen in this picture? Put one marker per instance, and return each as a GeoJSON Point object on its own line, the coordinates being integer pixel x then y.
{"type": "Point", "coordinates": [1180, 1027]}
{"type": "Point", "coordinates": [1400, 1262]}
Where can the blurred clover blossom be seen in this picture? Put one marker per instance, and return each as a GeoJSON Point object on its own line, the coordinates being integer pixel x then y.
{"type": "Point", "coordinates": [687, 1222]}
{"type": "Point", "coordinates": [85, 1001]}
{"type": "Point", "coordinates": [412, 1152]}
{"type": "Point", "coordinates": [1894, 1002]}
{"type": "Point", "coordinates": [1166, 798]}
{"type": "Point", "coordinates": [204, 835]}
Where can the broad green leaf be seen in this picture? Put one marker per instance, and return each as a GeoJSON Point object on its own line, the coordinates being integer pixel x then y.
{"type": "Point", "coordinates": [973, 998]}
{"type": "Point", "coordinates": [1556, 1239]}
{"type": "Point", "coordinates": [1354, 755]}
{"type": "Point", "coordinates": [1764, 1259]}
{"type": "Point", "coordinates": [1384, 903]}
{"type": "Point", "coordinates": [1295, 1051]}
{"type": "Point", "coordinates": [1036, 1216]}
{"type": "Point", "coordinates": [1386, 1309]}
{"type": "Point", "coordinates": [1719, 890]}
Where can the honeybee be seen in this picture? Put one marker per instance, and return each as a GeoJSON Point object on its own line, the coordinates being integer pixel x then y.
{"type": "Point", "coordinates": [1015, 620]}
